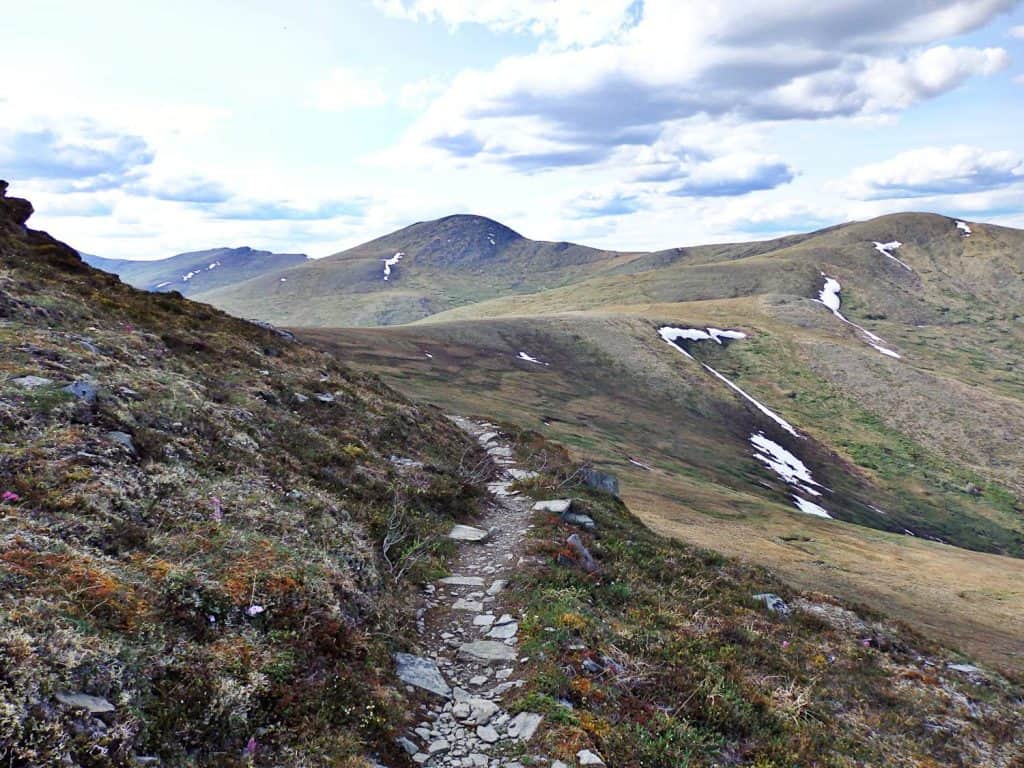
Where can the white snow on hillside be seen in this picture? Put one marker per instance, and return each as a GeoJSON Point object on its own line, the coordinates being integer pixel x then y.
{"type": "Point", "coordinates": [675, 337]}
{"type": "Point", "coordinates": [964, 227]}
{"type": "Point", "coordinates": [490, 238]}
{"type": "Point", "coordinates": [214, 265]}
{"type": "Point", "coordinates": [784, 464]}
{"type": "Point", "coordinates": [810, 508]}
{"type": "Point", "coordinates": [529, 359]}
{"type": "Point", "coordinates": [830, 297]}
{"type": "Point", "coordinates": [185, 278]}
{"type": "Point", "coordinates": [389, 263]}
{"type": "Point", "coordinates": [886, 250]}
{"type": "Point", "coordinates": [163, 284]}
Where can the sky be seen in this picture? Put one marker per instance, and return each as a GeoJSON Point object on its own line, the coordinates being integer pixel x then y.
{"type": "Point", "coordinates": [144, 129]}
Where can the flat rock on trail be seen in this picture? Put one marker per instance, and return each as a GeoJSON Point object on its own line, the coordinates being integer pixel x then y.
{"type": "Point", "coordinates": [469, 637]}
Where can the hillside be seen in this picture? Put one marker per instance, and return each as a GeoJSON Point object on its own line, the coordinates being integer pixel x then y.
{"type": "Point", "coordinates": [898, 369]}
{"type": "Point", "coordinates": [215, 537]}
{"type": "Point", "coordinates": [413, 273]}
{"type": "Point", "coordinates": [196, 271]}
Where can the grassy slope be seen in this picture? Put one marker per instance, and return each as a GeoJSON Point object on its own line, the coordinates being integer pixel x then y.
{"type": "Point", "coordinates": [614, 391]}
{"type": "Point", "coordinates": [133, 576]}
{"type": "Point", "coordinates": [663, 659]}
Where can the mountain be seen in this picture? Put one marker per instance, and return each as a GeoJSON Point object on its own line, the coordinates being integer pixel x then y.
{"type": "Point", "coordinates": [413, 273]}
{"type": "Point", "coordinates": [218, 542]}
{"type": "Point", "coordinates": [196, 271]}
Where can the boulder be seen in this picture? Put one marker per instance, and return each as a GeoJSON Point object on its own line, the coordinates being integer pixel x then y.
{"type": "Point", "coordinates": [467, 533]}
{"type": "Point", "coordinates": [586, 522]}
{"type": "Point", "coordinates": [96, 705]}
{"type": "Point", "coordinates": [422, 673]}
{"type": "Point", "coordinates": [601, 481]}
{"type": "Point", "coordinates": [31, 382]}
{"type": "Point", "coordinates": [773, 603]}
{"type": "Point", "coordinates": [587, 757]}
{"type": "Point", "coordinates": [123, 439]}
{"type": "Point", "coordinates": [555, 506]}
{"type": "Point", "coordinates": [83, 389]}
{"type": "Point", "coordinates": [463, 581]}
{"type": "Point", "coordinates": [524, 725]}
{"type": "Point", "coordinates": [586, 560]}
{"type": "Point", "coordinates": [487, 651]}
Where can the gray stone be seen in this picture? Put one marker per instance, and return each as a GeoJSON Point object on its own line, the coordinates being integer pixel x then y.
{"type": "Point", "coordinates": [83, 389]}
{"type": "Point", "coordinates": [123, 439]}
{"type": "Point", "coordinates": [586, 560]}
{"type": "Point", "coordinates": [587, 757]}
{"type": "Point", "coordinates": [438, 747]}
{"type": "Point", "coordinates": [95, 704]}
{"type": "Point", "coordinates": [523, 474]}
{"type": "Point", "coordinates": [463, 581]}
{"type": "Point", "coordinates": [965, 668]}
{"type": "Point", "coordinates": [480, 711]}
{"type": "Point", "coordinates": [421, 672]}
{"type": "Point", "coordinates": [324, 397]}
{"type": "Point", "coordinates": [467, 533]}
{"type": "Point", "coordinates": [31, 382]}
{"type": "Point", "coordinates": [524, 725]}
{"type": "Point", "coordinates": [487, 651]}
{"type": "Point", "coordinates": [497, 586]}
{"type": "Point", "coordinates": [420, 758]}
{"type": "Point", "coordinates": [468, 605]}
{"type": "Point", "coordinates": [487, 733]}
{"type": "Point", "coordinates": [407, 745]}
{"type": "Point", "coordinates": [300, 398]}
{"type": "Point", "coordinates": [600, 481]}
{"type": "Point", "coordinates": [559, 764]}
{"type": "Point", "coordinates": [483, 620]}
{"type": "Point", "coordinates": [477, 760]}
{"type": "Point", "coordinates": [773, 603]}
{"type": "Point", "coordinates": [504, 631]}
{"type": "Point", "coordinates": [556, 506]}
{"type": "Point", "coordinates": [580, 521]}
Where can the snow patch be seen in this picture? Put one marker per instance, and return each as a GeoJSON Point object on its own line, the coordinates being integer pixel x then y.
{"type": "Point", "coordinates": [389, 263]}
{"type": "Point", "coordinates": [163, 284]}
{"type": "Point", "coordinates": [640, 464]}
{"type": "Point", "coordinates": [429, 355]}
{"type": "Point", "coordinates": [886, 250]}
{"type": "Point", "coordinates": [810, 508]}
{"type": "Point", "coordinates": [677, 336]}
{"type": "Point", "coordinates": [490, 238]}
{"type": "Point", "coordinates": [185, 278]}
{"type": "Point", "coordinates": [214, 265]}
{"type": "Point", "coordinates": [529, 359]}
{"type": "Point", "coordinates": [964, 228]}
{"type": "Point", "coordinates": [283, 280]}
{"type": "Point", "coordinates": [830, 297]}
{"type": "Point", "coordinates": [784, 464]}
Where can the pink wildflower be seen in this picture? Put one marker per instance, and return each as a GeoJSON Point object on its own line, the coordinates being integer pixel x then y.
{"type": "Point", "coordinates": [10, 496]}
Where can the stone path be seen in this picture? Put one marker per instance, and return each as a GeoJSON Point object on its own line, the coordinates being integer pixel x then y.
{"type": "Point", "coordinates": [470, 634]}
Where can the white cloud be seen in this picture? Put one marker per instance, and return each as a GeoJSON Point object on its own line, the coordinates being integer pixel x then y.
{"type": "Point", "coordinates": [935, 171]}
{"type": "Point", "coordinates": [781, 60]}
{"type": "Point", "coordinates": [566, 22]}
{"type": "Point", "coordinates": [418, 94]}
{"type": "Point", "coordinates": [345, 89]}
{"type": "Point", "coordinates": [1017, 32]}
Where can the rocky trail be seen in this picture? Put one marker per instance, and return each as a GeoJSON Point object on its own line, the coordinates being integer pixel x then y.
{"type": "Point", "coordinates": [469, 633]}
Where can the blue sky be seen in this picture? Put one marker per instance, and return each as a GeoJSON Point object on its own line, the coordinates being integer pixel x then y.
{"type": "Point", "coordinates": [141, 130]}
